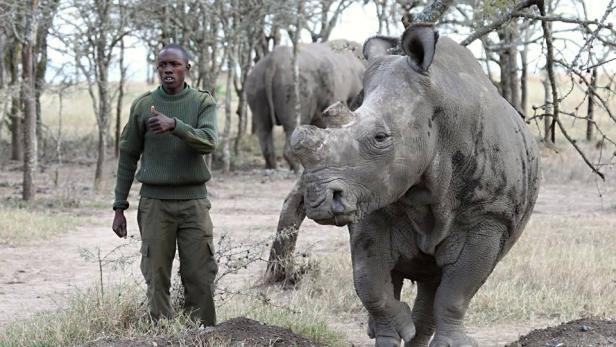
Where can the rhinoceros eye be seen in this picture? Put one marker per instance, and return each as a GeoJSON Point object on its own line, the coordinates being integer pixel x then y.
{"type": "Point", "coordinates": [380, 137]}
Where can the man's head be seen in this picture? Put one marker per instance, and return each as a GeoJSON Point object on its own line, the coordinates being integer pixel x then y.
{"type": "Point", "coordinates": [172, 65]}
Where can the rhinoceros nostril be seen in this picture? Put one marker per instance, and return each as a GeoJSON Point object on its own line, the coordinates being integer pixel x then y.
{"type": "Point", "coordinates": [337, 205]}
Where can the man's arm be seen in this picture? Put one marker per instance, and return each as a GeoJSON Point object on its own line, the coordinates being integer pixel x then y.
{"type": "Point", "coordinates": [204, 137]}
{"type": "Point", "coordinates": [131, 146]}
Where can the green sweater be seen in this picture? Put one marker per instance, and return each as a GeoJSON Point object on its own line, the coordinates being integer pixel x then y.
{"type": "Point", "coordinates": [172, 163]}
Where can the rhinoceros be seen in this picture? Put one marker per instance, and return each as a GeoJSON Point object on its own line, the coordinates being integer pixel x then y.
{"type": "Point", "coordinates": [329, 72]}
{"type": "Point", "coordinates": [435, 175]}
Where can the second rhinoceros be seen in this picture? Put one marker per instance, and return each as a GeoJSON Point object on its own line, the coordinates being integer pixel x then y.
{"type": "Point", "coordinates": [435, 175]}
{"type": "Point", "coordinates": [328, 72]}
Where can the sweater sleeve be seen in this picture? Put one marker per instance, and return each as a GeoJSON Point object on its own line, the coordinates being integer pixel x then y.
{"type": "Point", "coordinates": [131, 147]}
{"type": "Point", "coordinates": [204, 137]}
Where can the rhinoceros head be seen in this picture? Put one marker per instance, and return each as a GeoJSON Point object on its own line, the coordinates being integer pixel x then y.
{"type": "Point", "coordinates": [367, 159]}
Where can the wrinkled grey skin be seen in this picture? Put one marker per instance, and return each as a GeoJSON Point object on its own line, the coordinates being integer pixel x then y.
{"type": "Point", "coordinates": [329, 72]}
{"type": "Point", "coordinates": [435, 175]}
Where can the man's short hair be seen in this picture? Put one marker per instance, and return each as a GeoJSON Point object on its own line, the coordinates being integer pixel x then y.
{"type": "Point", "coordinates": [179, 48]}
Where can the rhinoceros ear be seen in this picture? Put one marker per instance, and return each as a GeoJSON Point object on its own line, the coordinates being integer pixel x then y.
{"type": "Point", "coordinates": [419, 43]}
{"type": "Point", "coordinates": [378, 46]}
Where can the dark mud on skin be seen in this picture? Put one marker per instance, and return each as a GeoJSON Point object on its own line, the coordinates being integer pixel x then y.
{"type": "Point", "coordinates": [581, 332]}
{"type": "Point", "coordinates": [239, 331]}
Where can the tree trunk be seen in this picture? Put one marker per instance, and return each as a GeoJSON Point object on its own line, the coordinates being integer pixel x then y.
{"type": "Point", "coordinates": [512, 64]}
{"type": "Point", "coordinates": [103, 124]}
{"type": "Point", "coordinates": [524, 79]}
{"type": "Point", "coordinates": [504, 62]}
{"type": "Point", "coordinates": [547, 92]}
{"type": "Point", "coordinates": [17, 142]}
{"type": "Point", "coordinates": [29, 105]}
{"type": "Point", "coordinates": [280, 264]}
{"type": "Point", "coordinates": [295, 39]}
{"type": "Point", "coordinates": [241, 124]}
{"type": "Point", "coordinates": [591, 105]}
{"type": "Point", "coordinates": [59, 139]}
{"type": "Point", "coordinates": [118, 125]}
{"type": "Point", "coordinates": [39, 84]}
{"type": "Point", "coordinates": [100, 159]}
{"type": "Point", "coordinates": [2, 55]}
{"type": "Point", "coordinates": [292, 214]}
{"type": "Point", "coordinates": [226, 152]}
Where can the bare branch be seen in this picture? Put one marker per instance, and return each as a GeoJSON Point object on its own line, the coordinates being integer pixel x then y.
{"type": "Point", "coordinates": [502, 19]}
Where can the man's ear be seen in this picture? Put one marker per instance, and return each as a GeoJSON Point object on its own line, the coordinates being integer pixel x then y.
{"type": "Point", "coordinates": [419, 43]}
{"type": "Point", "coordinates": [378, 46]}
{"type": "Point", "coordinates": [187, 66]}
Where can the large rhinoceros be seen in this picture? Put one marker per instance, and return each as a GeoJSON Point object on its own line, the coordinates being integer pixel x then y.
{"type": "Point", "coordinates": [329, 72]}
{"type": "Point", "coordinates": [435, 175]}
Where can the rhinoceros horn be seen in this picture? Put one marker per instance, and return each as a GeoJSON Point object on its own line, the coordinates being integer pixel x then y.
{"type": "Point", "coordinates": [337, 115]}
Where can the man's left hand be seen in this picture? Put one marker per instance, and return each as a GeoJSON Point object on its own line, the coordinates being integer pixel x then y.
{"type": "Point", "coordinates": [158, 123]}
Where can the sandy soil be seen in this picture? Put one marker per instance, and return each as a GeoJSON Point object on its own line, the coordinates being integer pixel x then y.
{"type": "Point", "coordinates": [40, 276]}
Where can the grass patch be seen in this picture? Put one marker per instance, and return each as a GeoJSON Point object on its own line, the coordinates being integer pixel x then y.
{"type": "Point", "coordinates": [563, 267]}
{"type": "Point", "coordinates": [121, 313]}
{"type": "Point", "coordinates": [23, 224]}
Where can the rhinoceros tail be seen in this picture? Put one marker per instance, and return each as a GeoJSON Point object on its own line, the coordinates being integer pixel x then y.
{"type": "Point", "coordinates": [269, 92]}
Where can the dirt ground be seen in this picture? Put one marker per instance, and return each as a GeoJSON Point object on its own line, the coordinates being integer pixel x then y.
{"type": "Point", "coordinates": [41, 275]}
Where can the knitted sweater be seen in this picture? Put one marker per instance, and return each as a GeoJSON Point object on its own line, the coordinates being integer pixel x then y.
{"type": "Point", "coordinates": [172, 164]}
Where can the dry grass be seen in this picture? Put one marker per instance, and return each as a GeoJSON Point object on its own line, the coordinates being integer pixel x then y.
{"type": "Point", "coordinates": [88, 316]}
{"type": "Point", "coordinates": [563, 267]}
{"type": "Point", "coordinates": [121, 314]}
{"type": "Point", "coordinates": [21, 225]}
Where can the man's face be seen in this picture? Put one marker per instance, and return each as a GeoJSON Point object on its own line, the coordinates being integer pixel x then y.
{"type": "Point", "coordinates": [172, 69]}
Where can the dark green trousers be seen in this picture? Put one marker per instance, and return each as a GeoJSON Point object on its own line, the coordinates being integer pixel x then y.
{"type": "Point", "coordinates": [162, 224]}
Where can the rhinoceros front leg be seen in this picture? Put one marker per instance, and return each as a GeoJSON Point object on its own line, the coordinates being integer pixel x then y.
{"type": "Point", "coordinates": [372, 275]}
{"type": "Point", "coordinates": [461, 279]}
{"type": "Point", "coordinates": [291, 217]}
{"type": "Point", "coordinates": [397, 280]}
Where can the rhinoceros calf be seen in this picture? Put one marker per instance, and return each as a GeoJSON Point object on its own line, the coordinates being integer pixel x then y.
{"type": "Point", "coordinates": [435, 175]}
{"type": "Point", "coordinates": [329, 72]}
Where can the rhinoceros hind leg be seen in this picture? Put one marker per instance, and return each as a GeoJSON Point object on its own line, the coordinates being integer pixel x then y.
{"type": "Point", "coordinates": [423, 316]}
{"type": "Point", "coordinates": [288, 153]}
{"type": "Point", "coordinates": [266, 140]}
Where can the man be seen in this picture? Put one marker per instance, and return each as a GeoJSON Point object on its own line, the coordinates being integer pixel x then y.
{"type": "Point", "coordinates": [170, 129]}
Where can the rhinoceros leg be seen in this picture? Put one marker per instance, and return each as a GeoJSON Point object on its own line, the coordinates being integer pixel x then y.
{"type": "Point", "coordinates": [397, 280]}
{"type": "Point", "coordinates": [372, 275]}
{"type": "Point", "coordinates": [288, 153]}
{"type": "Point", "coordinates": [460, 281]}
{"type": "Point", "coordinates": [423, 316]}
{"type": "Point", "coordinates": [291, 217]}
{"type": "Point", "coordinates": [266, 140]}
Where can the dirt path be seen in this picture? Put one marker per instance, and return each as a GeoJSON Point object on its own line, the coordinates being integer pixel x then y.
{"type": "Point", "coordinates": [41, 275]}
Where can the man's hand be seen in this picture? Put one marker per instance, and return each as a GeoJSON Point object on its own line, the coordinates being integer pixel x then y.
{"type": "Point", "coordinates": [119, 223]}
{"type": "Point", "coordinates": [158, 123]}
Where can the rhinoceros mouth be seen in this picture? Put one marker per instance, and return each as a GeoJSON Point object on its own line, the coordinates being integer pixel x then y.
{"type": "Point", "coordinates": [337, 219]}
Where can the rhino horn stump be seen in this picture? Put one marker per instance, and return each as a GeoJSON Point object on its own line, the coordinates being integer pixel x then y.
{"type": "Point", "coordinates": [307, 143]}
{"type": "Point", "coordinates": [337, 115]}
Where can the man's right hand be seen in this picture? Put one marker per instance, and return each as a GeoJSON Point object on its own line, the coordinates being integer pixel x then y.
{"type": "Point", "coordinates": [119, 223]}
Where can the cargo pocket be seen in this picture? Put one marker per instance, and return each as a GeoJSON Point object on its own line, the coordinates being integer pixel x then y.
{"type": "Point", "coordinates": [145, 262]}
{"type": "Point", "coordinates": [212, 265]}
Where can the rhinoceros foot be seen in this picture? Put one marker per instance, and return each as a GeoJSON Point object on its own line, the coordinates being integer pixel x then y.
{"type": "Point", "coordinates": [457, 339]}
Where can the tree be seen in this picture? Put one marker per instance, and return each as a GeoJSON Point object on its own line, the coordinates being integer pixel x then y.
{"type": "Point", "coordinates": [30, 24]}
{"type": "Point", "coordinates": [98, 27]}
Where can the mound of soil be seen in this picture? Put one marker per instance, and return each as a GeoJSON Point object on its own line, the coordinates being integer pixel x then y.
{"type": "Point", "coordinates": [234, 332]}
{"type": "Point", "coordinates": [581, 332]}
